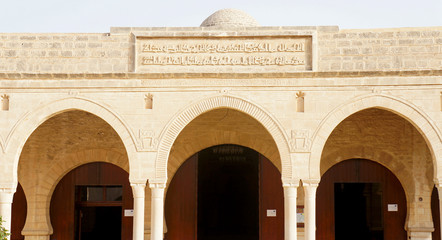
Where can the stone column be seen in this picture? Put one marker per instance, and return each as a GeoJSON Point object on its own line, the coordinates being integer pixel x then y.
{"type": "Point", "coordinates": [6, 196]}
{"type": "Point", "coordinates": [310, 208]}
{"type": "Point", "coordinates": [290, 223]}
{"type": "Point", "coordinates": [138, 219]}
{"type": "Point", "coordinates": [439, 191]}
{"type": "Point", "coordinates": [157, 210]}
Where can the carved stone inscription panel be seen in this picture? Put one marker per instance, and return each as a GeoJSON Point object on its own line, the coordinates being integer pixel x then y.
{"type": "Point", "coordinates": [223, 54]}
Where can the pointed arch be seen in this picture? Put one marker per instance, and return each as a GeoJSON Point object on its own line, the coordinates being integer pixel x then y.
{"type": "Point", "coordinates": [182, 119]}
{"type": "Point", "coordinates": [31, 120]}
{"type": "Point", "coordinates": [401, 107]}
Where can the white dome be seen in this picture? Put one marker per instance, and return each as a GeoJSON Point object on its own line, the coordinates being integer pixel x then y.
{"type": "Point", "coordinates": [230, 18]}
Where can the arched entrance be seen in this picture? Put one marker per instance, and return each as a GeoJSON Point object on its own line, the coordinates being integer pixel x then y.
{"type": "Point", "coordinates": [225, 192]}
{"type": "Point", "coordinates": [360, 199]}
{"type": "Point", "coordinates": [90, 203]}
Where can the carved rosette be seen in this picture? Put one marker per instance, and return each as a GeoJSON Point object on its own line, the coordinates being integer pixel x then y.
{"type": "Point", "coordinates": [300, 141]}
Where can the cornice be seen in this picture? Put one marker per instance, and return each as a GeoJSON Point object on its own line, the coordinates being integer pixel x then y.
{"type": "Point", "coordinates": [267, 75]}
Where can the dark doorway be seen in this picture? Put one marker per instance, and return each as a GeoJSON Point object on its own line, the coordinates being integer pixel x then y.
{"type": "Point", "coordinates": [228, 194]}
{"type": "Point", "coordinates": [350, 197]}
{"type": "Point", "coordinates": [360, 211]}
{"type": "Point", "coordinates": [224, 192]}
{"type": "Point", "coordinates": [99, 223]}
{"type": "Point", "coordinates": [98, 212]}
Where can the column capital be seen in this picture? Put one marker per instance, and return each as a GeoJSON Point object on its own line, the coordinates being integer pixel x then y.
{"type": "Point", "coordinates": [138, 189]}
{"type": "Point", "coordinates": [157, 183]}
{"type": "Point", "coordinates": [290, 185]}
{"type": "Point", "coordinates": [310, 182]}
{"type": "Point", "coordinates": [6, 195]}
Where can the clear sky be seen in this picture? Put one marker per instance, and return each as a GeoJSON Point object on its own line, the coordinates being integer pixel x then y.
{"type": "Point", "coordinates": [100, 15]}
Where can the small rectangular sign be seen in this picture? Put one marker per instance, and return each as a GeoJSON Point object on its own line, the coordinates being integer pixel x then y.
{"type": "Point", "coordinates": [128, 212]}
{"type": "Point", "coordinates": [271, 212]}
{"type": "Point", "coordinates": [392, 207]}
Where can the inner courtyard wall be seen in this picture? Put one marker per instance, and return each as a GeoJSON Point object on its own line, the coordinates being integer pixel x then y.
{"type": "Point", "coordinates": [338, 50]}
{"type": "Point", "coordinates": [38, 70]}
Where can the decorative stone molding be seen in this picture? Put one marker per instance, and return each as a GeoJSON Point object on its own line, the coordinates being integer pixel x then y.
{"type": "Point", "coordinates": [300, 141]}
{"type": "Point", "coordinates": [148, 99]}
{"type": "Point", "coordinates": [5, 102]}
{"type": "Point", "coordinates": [147, 140]}
{"type": "Point", "coordinates": [300, 101]}
{"type": "Point", "coordinates": [172, 130]}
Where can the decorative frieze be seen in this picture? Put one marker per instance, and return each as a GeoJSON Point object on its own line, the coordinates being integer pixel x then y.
{"type": "Point", "coordinates": [211, 54]}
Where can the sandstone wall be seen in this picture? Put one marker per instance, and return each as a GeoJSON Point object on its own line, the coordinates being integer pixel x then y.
{"type": "Point", "coordinates": [338, 50]}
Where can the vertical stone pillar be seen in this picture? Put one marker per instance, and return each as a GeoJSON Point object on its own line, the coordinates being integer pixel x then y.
{"type": "Point", "coordinates": [138, 220]}
{"type": "Point", "coordinates": [310, 208]}
{"type": "Point", "coordinates": [6, 196]}
{"type": "Point", "coordinates": [290, 223]}
{"type": "Point", "coordinates": [157, 210]}
{"type": "Point", "coordinates": [439, 191]}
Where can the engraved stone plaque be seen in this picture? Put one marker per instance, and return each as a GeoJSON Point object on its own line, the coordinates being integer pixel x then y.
{"type": "Point", "coordinates": [223, 54]}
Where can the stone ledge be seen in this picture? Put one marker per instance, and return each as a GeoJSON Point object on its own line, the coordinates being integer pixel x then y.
{"type": "Point", "coordinates": [277, 75]}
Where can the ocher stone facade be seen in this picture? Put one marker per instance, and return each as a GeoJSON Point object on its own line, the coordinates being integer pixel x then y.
{"type": "Point", "coordinates": [78, 98]}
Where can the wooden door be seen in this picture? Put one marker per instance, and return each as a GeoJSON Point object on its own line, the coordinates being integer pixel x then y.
{"type": "Point", "coordinates": [271, 198]}
{"type": "Point", "coordinates": [62, 209]}
{"type": "Point", "coordinates": [361, 171]}
{"type": "Point", "coordinates": [181, 205]}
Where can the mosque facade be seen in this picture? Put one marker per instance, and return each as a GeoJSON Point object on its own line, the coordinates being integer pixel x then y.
{"type": "Point", "coordinates": [230, 130]}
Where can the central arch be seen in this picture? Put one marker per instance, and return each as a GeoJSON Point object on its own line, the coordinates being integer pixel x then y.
{"type": "Point", "coordinates": [173, 129]}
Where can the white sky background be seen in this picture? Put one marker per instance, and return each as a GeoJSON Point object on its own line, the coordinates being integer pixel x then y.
{"type": "Point", "coordinates": [100, 15]}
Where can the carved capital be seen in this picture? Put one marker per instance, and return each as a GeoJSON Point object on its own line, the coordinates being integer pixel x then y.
{"type": "Point", "coordinates": [310, 182]}
{"type": "Point", "coordinates": [294, 184]}
{"type": "Point", "coordinates": [138, 189]}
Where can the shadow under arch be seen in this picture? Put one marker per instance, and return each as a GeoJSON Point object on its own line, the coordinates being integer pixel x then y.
{"type": "Point", "coordinates": [31, 120]}
{"type": "Point", "coordinates": [184, 117]}
{"type": "Point", "coordinates": [401, 107]}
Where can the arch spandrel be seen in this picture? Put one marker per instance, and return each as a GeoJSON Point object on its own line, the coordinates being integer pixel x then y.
{"type": "Point", "coordinates": [182, 119]}
{"type": "Point", "coordinates": [29, 122]}
{"type": "Point", "coordinates": [401, 107]}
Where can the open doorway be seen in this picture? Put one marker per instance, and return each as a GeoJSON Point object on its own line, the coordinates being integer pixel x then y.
{"type": "Point", "coordinates": [359, 211]}
{"type": "Point", "coordinates": [225, 192]}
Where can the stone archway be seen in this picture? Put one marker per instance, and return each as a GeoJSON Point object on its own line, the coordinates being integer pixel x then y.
{"type": "Point", "coordinates": [407, 110]}
{"type": "Point", "coordinates": [57, 146]}
{"type": "Point", "coordinates": [179, 122]}
{"type": "Point", "coordinates": [28, 123]}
